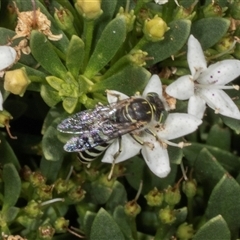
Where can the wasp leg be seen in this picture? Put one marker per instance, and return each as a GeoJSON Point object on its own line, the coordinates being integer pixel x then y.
{"type": "Point", "coordinates": [115, 156]}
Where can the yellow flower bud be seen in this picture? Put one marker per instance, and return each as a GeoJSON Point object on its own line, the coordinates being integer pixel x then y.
{"type": "Point", "coordinates": [89, 9]}
{"type": "Point", "coordinates": [154, 29]}
{"type": "Point", "coordinates": [16, 81]}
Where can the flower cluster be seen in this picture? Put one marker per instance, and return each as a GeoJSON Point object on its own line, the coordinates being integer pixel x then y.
{"type": "Point", "coordinates": [154, 148]}
{"type": "Point", "coordinates": [205, 84]}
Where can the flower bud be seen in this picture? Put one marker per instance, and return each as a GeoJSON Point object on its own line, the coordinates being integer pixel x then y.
{"type": "Point", "coordinates": [62, 186]}
{"type": "Point", "coordinates": [132, 208]}
{"type": "Point", "coordinates": [43, 192]}
{"type": "Point", "coordinates": [189, 187]}
{"type": "Point", "coordinates": [64, 19]}
{"type": "Point", "coordinates": [172, 195]}
{"type": "Point", "coordinates": [90, 10]}
{"type": "Point", "coordinates": [46, 232]}
{"type": "Point", "coordinates": [129, 17]}
{"type": "Point", "coordinates": [76, 194]}
{"type": "Point", "coordinates": [213, 10]}
{"type": "Point", "coordinates": [33, 209]}
{"type": "Point", "coordinates": [5, 117]}
{"type": "Point", "coordinates": [16, 81]}
{"type": "Point", "coordinates": [154, 198]}
{"type": "Point", "coordinates": [167, 215]}
{"type": "Point", "coordinates": [61, 225]}
{"type": "Point", "coordinates": [183, 13]}
{"type": "Point", "coordinates": [224, 44]}
{"type": "Point", "coordinates": [154, 29]}
{"type": "Point", "coordinates": [138, 57]}
{"type": "Point", "coordinates": [185, 231]}
{"type": "Point", "coordinates": [37, 179]}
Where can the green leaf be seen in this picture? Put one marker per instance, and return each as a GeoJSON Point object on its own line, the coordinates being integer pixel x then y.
{"type": "Point", "coordinates": [43, 52]}
{"type": "Point", "coordinates": [55, 82]}
{"type": "Point", "coordinates": [5, 35]}
{"type": "Point", "coordinates": [50, 169]}
{"type": "Point", "coordinates": [173, 41]}
{"type": "Point", "coordinates": [219, 137]}
{"type": "Point", "coordinates": [118, 196]}
{"type": "Point", "coordinates": [105, 228]}
{"type": "Point", "coordinates": [137, 170]}
{"type": "Point", "coordinates": [123, 222]}
{"type": "Point", "coordinates": [110, 41]}
{"type": "Point", "coordinates": [49, 95]}
{"type": "Point", "coordinates": [7, 154]}
{"type": "Point", "coordinates": [70, 104]}
{"type": "Point", "coordinates": [51, 146]}
{"type": "Point", "coordinates": [10, 214]}
{"type": "Point", "coordinates": [75, 55]}
{"type": "Point", "coordinates": [100, 193]}
{"type": "Point", "coordinates": [224, 201]}
{"type": "Point", "coordinates": [234, 124]}
{"type": "Point", "coordinates": [207, 169]}
{"type": "Point", "coordinates": [215, 228]}
{"type": "Point", "coordinates": [108, 8]}
{"type": "Point", "coordinates": [210, 30]}
{"type": "Point", "coordinates": [88, 221]}
{"type": "Point", "coordinates": [228, 160]}
{"type": "Point", "coordinates": [12, 186]}
{"type": "Point", "coordinates": [130, 80]}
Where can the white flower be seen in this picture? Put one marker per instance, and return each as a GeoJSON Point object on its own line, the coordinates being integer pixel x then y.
{"type": "Point", "coordinates": [7, 56]}
{"type": "Point", "coordinates": [205, 84]}
{"type": "Point", "coordinates": [153, 149]}
{"type": "Point", "coordinates": [161, 2]}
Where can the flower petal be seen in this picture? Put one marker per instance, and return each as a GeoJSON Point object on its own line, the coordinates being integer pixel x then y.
{"type": "Point", "coordinates": [182, 88]}
{"type": "Point", "coordinates": [178, 125]}
{"type": "Point", "coordinates": [129, 146]}
{"type": "Point", "coordinates": [154, 85]}
{"type": "Point", "coordinates": [220, 73]}
{"type": "Point", "coordinates": [196, 106]}
{"type": "Point", "coordinates": [219, 101]}
{"type": "Point", "coordinates": [157, 159]}
{"type": "Point", "coordinates": [114, 96]}
{"type": "Point", "coordinates": [7, 56]}
{"type": "Point", "coordinates": [195, 56]}
{"type": "Point", "coordinates": [1, 102]}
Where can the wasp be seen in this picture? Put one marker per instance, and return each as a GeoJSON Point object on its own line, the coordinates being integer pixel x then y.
{"type": "Point", "coordinates": [95, 129]}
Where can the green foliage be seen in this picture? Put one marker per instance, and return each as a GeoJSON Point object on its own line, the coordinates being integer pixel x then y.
{"type": "Point", "coordinates": [71, 62]}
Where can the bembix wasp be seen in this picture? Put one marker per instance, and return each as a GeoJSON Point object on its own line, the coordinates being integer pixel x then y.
{"type": "Point", "coordinates": [96, 129]}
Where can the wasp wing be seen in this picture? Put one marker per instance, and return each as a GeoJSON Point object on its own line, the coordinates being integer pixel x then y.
{"type": "Point", "coordinates": [84, 121]}
{"type": "Point", "coordinates": [100, 134]}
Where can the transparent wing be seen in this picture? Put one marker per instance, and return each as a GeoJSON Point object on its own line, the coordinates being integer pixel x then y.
{"type": "Point", "coordinates": [83, 121]}
{"type": "Point", "coordinates": [100, 134]}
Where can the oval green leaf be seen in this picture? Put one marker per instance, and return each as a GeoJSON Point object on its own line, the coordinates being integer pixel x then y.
{"type": "Point", "coordinates": [210, 30]}
{"type": "Point", "coordinates": [224, 201]}
{"type": "Point", "coordinates": [12, 186]}
{"type": "Point", "coordinates": [173, 41]}
{"type": "Point", "coordinates": [105, 228]}
{"type": "Point", "coordinates": [128, 81]}
{"type": "Point", "coordinates": [110, 41]}
{"type": "Point", "coordinates": [44, 53]}
{"type": "Point", "coordinates": [215, 228]}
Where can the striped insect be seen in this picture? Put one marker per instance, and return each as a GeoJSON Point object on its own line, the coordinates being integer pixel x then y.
{"type": "Point", "coordinates": [97, 128]}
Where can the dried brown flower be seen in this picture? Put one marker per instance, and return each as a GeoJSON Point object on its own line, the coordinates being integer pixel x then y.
{"type": "Point", "coordinates": [30, 20]}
